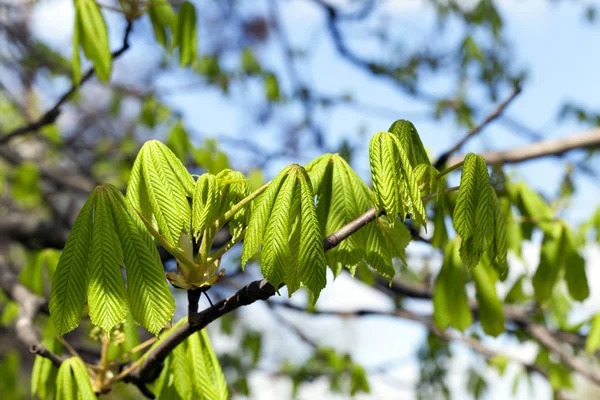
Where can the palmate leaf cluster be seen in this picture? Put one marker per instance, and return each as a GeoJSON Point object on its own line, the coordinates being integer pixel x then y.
{"type": "Point", "coordinates": [286, 221]}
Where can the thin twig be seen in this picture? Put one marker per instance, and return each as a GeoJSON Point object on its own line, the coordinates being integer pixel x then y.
{"type": "Point", "coordinates": [50, 116]}
{"type": "Point", "coordinates": [544, 148]}
{"type": "Point", "coordinates": [487, 120]}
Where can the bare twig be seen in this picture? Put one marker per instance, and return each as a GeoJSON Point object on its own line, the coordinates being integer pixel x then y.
{"type": "Point", "coordinates": [50, 116]}
{"type": "Point", "coordinates": [427, 321]}
{"type": "Point", "coordinates": [555, 147]}
{"type": "Point", "coordinates": [491, 117]}
{"type": "Point", "coordinates": [541, 334]}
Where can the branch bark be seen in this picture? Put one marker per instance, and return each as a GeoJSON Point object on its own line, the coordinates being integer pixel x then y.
{"type": "Point", "coordinates": [30, 305]}
{"type": "Point", "coordinates": [544, 148]}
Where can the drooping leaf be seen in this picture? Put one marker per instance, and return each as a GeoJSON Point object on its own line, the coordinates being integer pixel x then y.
{"type": "Point", "coordinates": [93, 37]}
{"type": "Point", "coordinates": [575, 275]}
{"type": "Point", "coordinates": [260, 216]}
{"type": "Point", "coordinates": [186, 35]}
{"type": "Point", "coordinates": [43, 376]}
{"type": "Point", "coordinates": [151, 301]}
{"type": "Point", "coordinates": [275, 256]}
{"type": "Point", "coordinates": [394, 182]}
{"type": "Point", "coordinates": [312, 256]}
{"type": "Point", "coordinates": [534, 210]}
{"type": "Point", "coordinates": [209, 382]}
{"type": "Point", "coordinates": [73, 381]}
{"type": "Point", "coordinates": [491, 313]}
{"type": "Point", "coordinates": [69, 288]}
{"type": "Point", "coordinates": [477, 216]}
{"type": "Point", "coordinates": [450, 301]}
{"type": "Point", "coordinates": [285, 221]}
{"type": "Point", "coordinates": [163, 20]}
{"type": "Point", "coordinates": [341, 197]}
{"type": "Point", "coordinates": [107, 300]}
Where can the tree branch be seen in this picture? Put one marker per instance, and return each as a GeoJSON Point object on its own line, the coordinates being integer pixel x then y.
{"type": "Point", "coordinates": [30, 305]}
{"type": "Point", "coordinates": [541, 334]}
{"type": "Point", "coordinates": [491, 117]}
{"type": "Point", "coordinates": [554, 147]}
{"type": "Point", "coordinates": [427, 321]}
{"type": "Point", "coordinates": [52, 114]}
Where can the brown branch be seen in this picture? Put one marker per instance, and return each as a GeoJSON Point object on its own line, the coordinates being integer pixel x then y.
{"type": "Point", "coordinates": [427, 321]}
{"type": "Point", "coordinates": [52, 114]}
{"type": "Point", "coordinates": [477, 129]}
{"type": "Point", "coordinates": [554, 147]}
{"type": "Point", "coordinates": [541, 334]}
{"type": "Point", "coordinates": [30, 305]}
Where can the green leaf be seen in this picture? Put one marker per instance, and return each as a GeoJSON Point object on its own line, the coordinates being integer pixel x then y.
{"type": "Point", "coordinates": [464, 220]}
{"type": "Point", "coordinates": [341, 197]}
{"type": "Point", "coordinates": [450, 301]}
{"type": "Point", "coordinates": [285, 221]}
{"type": "Point", "coordinates": [65, 385]}
{"type": "Point", "coordinates": [560, 253]}
{"type": "Point", "coordinates": [180, 367]}
{"type": "Point", "coordinates": [516, 293]}
{"type": "Point", "coordinates": [69, 288]}
{"type": "Point", "coordinates": [186, 35]}
{"type": "Point", "coordinates": [163, 19]}
{"type": "Point", "coordinates": [275, 257]}
{"type": "Point", "coordinates": [93, 37]}
{"type": "Point", "coordinates": [107, 301]}
{"type": "Point", "coordinates": [205, 203]}
{"type": "Point", "coordinates": [384, 172]}
{"type": "Point", "coordinates": [234, 188]}
{"type": "Point", "coordinates": [592, 343]}
{"type": "Point", "coordinates": [575, 275]}
{"type": "Point", "coordinates": [209, 382]}
{"type": "Point", "coordinates": [179, 142]}
{"type": "Point", "coordinates": [312, 256]}
{"type": "Point", "coordinates": [478, 218]}
{"type": "Point", "coordinates": [549, 268]}
{"type": "Point", "coordinates": [43, 376]}
{"type": "Point", "coordinates": [76, 62]}
{"type": "Point", "coordinates": [406, 132]}
{"type": "Point", "coordinates": [151, 301]}
{"type": "Point", "coordinates": [491, 313]}
{"type": "Point", "coordinates": [316, 170]}
{"type": "Point", "coordinates": [73, 381]}
{"type": "Point", "coordinates": [394, 182]}
{"type": "Point", "coordinates": [260, 217]}
{"type": "Point", "coordinates": [82, 379]}
{"type": "Point", "coordinates": [532, 208]}
{"type": "Point", "coordinates": [25, 185]}
{"type": "Point", "coordinates": [158, 188]}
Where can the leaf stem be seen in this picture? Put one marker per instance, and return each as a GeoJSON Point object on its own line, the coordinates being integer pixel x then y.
{"type": "Point", "coordinates": [227, 246]}
{"type": "Point", "coordinates": [432, 195]}
{"type": "Point", "coordinates": [229, 214]}
{"type": "Point", "coordinates": [449, 169]}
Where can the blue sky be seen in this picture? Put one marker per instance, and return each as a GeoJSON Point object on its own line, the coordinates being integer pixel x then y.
{"type": "Point", "coordinates": [552, 40]}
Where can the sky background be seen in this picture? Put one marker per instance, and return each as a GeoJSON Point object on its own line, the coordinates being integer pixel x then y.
{"type": "Point", "coordinates": [561, 54]}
